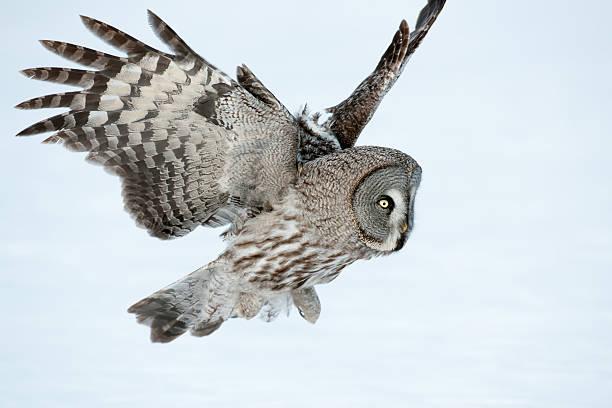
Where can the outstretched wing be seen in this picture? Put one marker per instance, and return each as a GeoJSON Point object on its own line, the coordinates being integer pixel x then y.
{"type": "Point", "coordinates": [191, 145]}
{"type": "Point", "coordinates": [350, 116]}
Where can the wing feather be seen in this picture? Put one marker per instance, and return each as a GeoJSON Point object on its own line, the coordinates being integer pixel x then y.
{"type": "Point", "coordinates": [68, 76]}
{"type": "Point", "coordinates": [169, 37]}
{"type": "Point", "coordinates": [248, 80]}
{"type": "Point", "coordinates": [350, 116]}
{"type": "Point", "coordinates": [83, 55]}
{"type": "Point", "coordinates": [191, 145]}
{"type": "Point", "coordinates": [117, 38]}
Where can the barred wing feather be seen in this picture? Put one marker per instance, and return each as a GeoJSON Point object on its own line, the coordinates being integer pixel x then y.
{"type": "Point", "coordinates": [190, 144]}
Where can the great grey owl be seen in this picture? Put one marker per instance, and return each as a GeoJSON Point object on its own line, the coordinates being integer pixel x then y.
{"type": "Point", "coordinates": [194, 147]}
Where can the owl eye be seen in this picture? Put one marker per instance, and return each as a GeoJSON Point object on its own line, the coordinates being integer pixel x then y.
{"type": "Point", "coordinates": [386, 203]}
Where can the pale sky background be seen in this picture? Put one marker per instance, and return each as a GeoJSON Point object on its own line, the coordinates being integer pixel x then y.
{"type": "Point", "coordinates": [501, 297]}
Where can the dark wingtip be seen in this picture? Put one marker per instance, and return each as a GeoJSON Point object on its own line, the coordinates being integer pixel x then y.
{"type": "Point", "coordinates": [28, 72]}
{"type": "Point", "coordinates": [26, 132]}
{"type": "Point", "coordinates": [242, 72]}
{"type": "Point", "coordinates": [88, 21]}
{"type": "Point", "coordinates": [153, 18]}
{"type": "Point", "coordinates": [239, 70]}
{"type": "Point", "coordinates": [48, 44]}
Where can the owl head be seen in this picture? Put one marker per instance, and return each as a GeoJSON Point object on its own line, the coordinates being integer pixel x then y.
{"type": "Point", "coordinates": [383, 205]}
{"type": "Point", "coordinates": [363, 197]}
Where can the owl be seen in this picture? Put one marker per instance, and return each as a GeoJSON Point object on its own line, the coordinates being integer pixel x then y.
{"type": "Point", "coordinates": [192, 147]}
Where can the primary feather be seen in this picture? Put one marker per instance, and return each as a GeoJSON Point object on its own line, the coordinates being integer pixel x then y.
{"type": "Point", "coordinates": [173, 127]}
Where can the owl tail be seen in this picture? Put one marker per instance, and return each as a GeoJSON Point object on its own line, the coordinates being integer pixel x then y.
{"type": "Point", "coordinates": [199, 302]}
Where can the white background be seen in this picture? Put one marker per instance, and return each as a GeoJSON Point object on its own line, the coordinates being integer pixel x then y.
{"type": "Point", "coordinates": [501, 298]}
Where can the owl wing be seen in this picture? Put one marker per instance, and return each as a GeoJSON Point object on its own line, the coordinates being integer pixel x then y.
{"type": "Point", "coordinates": [191, 146]}
{"type": "Point", "coordinates": [350, 116]}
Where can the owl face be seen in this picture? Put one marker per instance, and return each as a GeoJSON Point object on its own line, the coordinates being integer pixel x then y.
{"type": "Point", "coordinates": [383, 206]}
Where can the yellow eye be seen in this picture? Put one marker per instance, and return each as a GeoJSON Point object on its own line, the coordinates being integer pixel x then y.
{"type": "Point", "coordinates": [384, 203]}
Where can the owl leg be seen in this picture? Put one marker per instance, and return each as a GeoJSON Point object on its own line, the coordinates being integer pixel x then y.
{"type": "Point", "coordinates": [307, 303]}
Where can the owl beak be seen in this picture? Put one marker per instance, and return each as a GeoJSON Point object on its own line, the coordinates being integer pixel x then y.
{"type": "Point", "coordinates": [405, 228]}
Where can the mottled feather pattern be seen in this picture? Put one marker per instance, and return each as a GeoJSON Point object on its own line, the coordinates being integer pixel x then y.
{"type": "Point", "coordinates": [164, 123]}
{"type": "Point", "coordinates": [171, 311]}
{"type": "Point", "coordinates": [194, 147]}
{"type": "Point", "coordinates": [251, 83]}
{"type": "Point", "coordinates": [305, 240]}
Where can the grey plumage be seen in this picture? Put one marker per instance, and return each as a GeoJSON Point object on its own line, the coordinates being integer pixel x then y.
{"type": "Point", "coordinates": [350, 116]}
{"type": "Point", "coordinates": [194, 147]}
{"type": "Point", "coordinates": [168, 125]}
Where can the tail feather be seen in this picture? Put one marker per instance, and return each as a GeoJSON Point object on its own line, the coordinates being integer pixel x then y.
{"type": "Point", "coordinates": [201, 301]}
{"type": "Point", "coordinates": [205, 328]}
{"type": "Point", "coordinates": [172, 311]}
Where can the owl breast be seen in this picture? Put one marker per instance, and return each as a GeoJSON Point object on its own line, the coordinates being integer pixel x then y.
{"type": "Point", "coordinates": [281, 251]}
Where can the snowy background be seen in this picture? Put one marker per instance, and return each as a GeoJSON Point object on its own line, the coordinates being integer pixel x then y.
{"type": "Point", "coordinates": [501, 298]}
